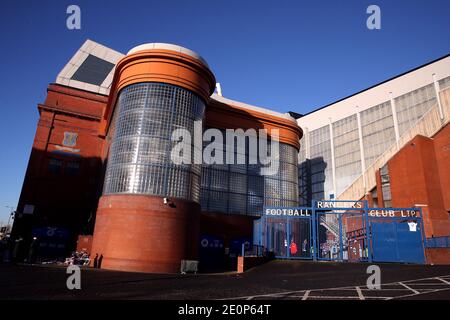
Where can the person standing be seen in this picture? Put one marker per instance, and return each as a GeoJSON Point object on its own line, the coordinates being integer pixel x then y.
{"type": "Point", "coordinates": [293, 248]}
{"type": "Point", "coordinates": [17, 249]}
{"type": "Point", "coordinates": [100, 261]}
{"type": "Point", "coordinates": [32, 253]}
{"type": "Point", "coordinates": [96, 261]}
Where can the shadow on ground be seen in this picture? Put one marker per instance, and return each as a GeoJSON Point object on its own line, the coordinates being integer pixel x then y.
{"type": "Point", "coordinates": [36, 282]}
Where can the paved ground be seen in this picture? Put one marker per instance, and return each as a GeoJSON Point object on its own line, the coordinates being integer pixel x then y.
{"type": "Point", "coordinates": [427, 288]}
{"type": "Point", "coordinates": [274, 280]}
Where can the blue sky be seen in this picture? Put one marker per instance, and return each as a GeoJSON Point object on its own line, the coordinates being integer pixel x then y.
{"type": "Point", "coordinates": [286, 55]}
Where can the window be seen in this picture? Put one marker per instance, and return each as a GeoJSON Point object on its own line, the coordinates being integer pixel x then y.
{"type": "Point", "coordinates": [55, 166]}
{"type": "Point", "coordinates": [72, 168]}
{"type": "Point", "coordinates": [374, 197]}
{"type": "Point", "coordinates": [386, 186]}
{"type": "Point", "coordinates": [93, 70]}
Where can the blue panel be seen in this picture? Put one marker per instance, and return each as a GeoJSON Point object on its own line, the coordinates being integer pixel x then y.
{"type": "Point", "coordinates": [257, 225]}
{"type": "Point", "coordinates": [394, 242]}
{"type": "Point", "coordinates": [410, 247]}
{"type": "Point", "coordinates": [384, 247]}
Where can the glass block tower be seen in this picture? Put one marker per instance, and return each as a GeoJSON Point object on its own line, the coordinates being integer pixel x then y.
{"type": "Point", "coordinates": [147, 217]}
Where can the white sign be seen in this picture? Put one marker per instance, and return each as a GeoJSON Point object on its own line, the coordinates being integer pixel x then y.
{"type": "Point", "coordinates": [339, 204]}
{"type": "Point", "coordinates": [393, 213]}
{"type": "Point", "coordinates": [288, 212]}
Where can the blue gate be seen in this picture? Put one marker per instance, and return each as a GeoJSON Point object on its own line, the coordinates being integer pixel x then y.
{"type": "Point", "coordinates": [398, 239]}
{"type": "Point", "coordinates": [342, 231]}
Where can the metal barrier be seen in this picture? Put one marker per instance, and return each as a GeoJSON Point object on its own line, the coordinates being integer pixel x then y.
{"type": "Point", "coordinates": [341, 230]}
{"type": "Point", "coordinates": [252, 250]}
{"type": "Point", "coordinates": [438, 242]}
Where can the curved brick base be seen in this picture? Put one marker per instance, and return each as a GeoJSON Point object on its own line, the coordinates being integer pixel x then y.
{"type": "Point", "coordinates": [141, 233]}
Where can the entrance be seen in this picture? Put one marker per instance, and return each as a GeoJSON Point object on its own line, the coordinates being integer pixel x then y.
{"type": "Point", "coordinates": [399, 241]}
{"type": "Point", "coordinates": [289, 238]}
{"type": "Point", "coordinates": [342, 231]}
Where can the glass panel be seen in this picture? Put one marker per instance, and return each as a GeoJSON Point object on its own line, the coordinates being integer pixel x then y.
{"type": "Point", "coordinates": [411, 107]}
{"type": "Point", "coordinates": [346, 151]}
{"type": "Point", "coordinates": [444, 83]}
{"type": "Point", "coordinates": [321, 169]}
{"type": "Point", "coordinates": [377, 130]}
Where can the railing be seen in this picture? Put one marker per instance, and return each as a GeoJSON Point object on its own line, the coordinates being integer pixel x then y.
{"type": "Point", "coordinates": [428, 125]}
{"type": "Point", "coordinates": [438, 242]}
{"type": "Point", "coordinates": [330, 222]}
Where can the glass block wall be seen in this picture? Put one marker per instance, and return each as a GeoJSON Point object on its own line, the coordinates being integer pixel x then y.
{"type": "Point", "coordinates": [139, 158]}
{"type": "Point", "coordinates": [346, 152]}
{"type": "Point", "coordinates": [444, 83]}
{"type": "Point", "coordinates": [320, 163]}
{"type": "Point", "coordinates": [241, 189]}
{"type": "Point", "coordinates": [378, 133]}
{"type": "Point", "coordinates": [411, 107]}
{"type": "Point", "coordinates": [304, 174]}
{"type": "Point", "coordinates": [281, 189]}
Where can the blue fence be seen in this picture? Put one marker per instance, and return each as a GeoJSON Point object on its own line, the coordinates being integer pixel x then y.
{"type": "Point", "coordinates": [438, 242]}
{"type": "Point", "coordinates": [342, 230]}
{"type": "Point", "coordinates": [252, 250]}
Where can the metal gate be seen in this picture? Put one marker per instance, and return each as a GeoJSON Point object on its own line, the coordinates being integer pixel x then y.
{"type": "Point", "coordinates": [342, 231]}
{"type": "Point", "coordinates": [289, 237]}
{"type": "Point", "coordinates": [398, 238]}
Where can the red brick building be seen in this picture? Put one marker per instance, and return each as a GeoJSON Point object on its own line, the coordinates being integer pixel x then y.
{"type": "Point", "coordinates": [100, 165]}
{"type": "Point", "coordinates": [139, 229]}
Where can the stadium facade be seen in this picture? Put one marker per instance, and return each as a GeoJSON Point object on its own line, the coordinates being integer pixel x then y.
{"type": "Point", "coordinates": [100, 163]}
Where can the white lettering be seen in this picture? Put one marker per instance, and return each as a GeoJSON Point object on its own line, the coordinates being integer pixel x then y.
{"type": "Point", "coordinates": [74, 280]}
{"type": "Point", "coordinates": [73, 21]}
{"type": "Point", "coordinates": [374, 281]}
{"type": "Point", "coordinates": [374, 20]}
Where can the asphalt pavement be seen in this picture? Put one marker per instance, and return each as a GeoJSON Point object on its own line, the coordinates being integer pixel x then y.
{"type": "Point", "coordinates": [299, 280]}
